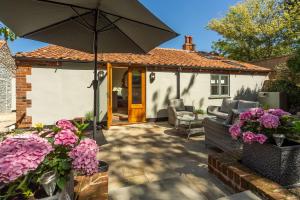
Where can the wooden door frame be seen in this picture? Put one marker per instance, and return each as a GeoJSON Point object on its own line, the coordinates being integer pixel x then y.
{"type": "Point", "coordinates": [109, 94]}
{"type": "Point", "coordinates": [141, 106]}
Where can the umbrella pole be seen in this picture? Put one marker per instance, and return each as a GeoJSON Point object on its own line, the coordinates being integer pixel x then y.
{"type": "Point", "coordinates": [95, 82]}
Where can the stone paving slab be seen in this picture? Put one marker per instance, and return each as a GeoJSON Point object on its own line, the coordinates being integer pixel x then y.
{"type": "Point", "coordinates": [154, 157]}
{"type": "Point", "coordinates": [247, 195]}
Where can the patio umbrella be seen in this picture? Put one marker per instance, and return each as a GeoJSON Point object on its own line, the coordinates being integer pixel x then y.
{"type": "Point", "coordinates": [94, 26]}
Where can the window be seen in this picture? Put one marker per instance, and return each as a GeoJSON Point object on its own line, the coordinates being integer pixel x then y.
{"type": "Point", "coordinates": [219, 85]}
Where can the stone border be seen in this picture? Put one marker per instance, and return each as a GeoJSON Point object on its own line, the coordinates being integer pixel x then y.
{"type": "Point", "coordinates": [240, 178]}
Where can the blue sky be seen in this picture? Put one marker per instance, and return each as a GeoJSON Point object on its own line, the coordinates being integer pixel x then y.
{"type": "Point", "coordinates": [187, 17]}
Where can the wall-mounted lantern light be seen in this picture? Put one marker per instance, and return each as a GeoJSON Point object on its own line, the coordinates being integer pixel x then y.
{"type": "Point", "coordinates": [152, 77]}
{"type": "Point", "coordinates": [101, 74]}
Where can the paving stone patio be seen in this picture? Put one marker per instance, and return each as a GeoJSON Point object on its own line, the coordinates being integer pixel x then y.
{"type": "Point", "coordinates": [153, 161]}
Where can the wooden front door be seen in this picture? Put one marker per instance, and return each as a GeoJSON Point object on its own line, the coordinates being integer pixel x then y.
{"type": "Point", "coordinates": [136, 94]}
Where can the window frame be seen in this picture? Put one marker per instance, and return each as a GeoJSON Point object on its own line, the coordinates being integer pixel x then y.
{"type": "Point", "coordinates": [219, 85]}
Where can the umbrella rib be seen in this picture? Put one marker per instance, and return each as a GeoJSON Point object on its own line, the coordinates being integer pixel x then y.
{"type": "Point", "coordinates": [125, 35]}
{"type": "Point", "coordinates": [84, 21]}
{"type": "Point", "coordinates": [139, 22]}
{"type": "Point", "coordinates": [64, 4]}
{"type": "Point", "coordinates": [108, 26]}
{"type": "Point", "coordinates": [55, 24]}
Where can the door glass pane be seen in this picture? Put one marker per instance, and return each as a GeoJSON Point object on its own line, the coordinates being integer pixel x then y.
{"type": "Point", "coordinates": [136, 87]}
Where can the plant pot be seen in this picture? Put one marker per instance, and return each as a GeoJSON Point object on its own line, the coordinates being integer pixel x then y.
{"type": "Point", "coordinates": [66, 194]}
{"type": "Point", "coordinates": [280, 164]}
{"type": "Point", "coordinates": [102, 166]}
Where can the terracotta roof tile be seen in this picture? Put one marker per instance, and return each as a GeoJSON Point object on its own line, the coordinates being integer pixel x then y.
{"type": "Point", "coordinates": [156, 57]}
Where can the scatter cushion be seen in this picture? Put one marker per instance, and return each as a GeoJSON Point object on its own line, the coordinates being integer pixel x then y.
{"type": "Point", "coordinates": [228, 105]}
{"type": "Point", "coordinates": [245, 105]}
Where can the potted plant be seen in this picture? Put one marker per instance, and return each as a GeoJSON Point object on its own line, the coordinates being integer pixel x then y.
{"type": "Point", "coordinates": [198, 112]}
{"type": "Point", "coordinates": [89, 120]}
{"type": "Point", "coordinates": [269, 147]}
{"type": "Point", "coordinates": [40, 164]}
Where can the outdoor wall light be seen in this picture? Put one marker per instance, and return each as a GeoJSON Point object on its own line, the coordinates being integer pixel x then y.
{"type": "Point", "coordinates": [101, 74]}
{"type": "Point", "coordinates": [152, 77]}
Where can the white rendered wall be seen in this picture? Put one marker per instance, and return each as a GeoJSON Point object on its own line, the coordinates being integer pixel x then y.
{"type": "Point", "coordinates": [195, 90]}
{"type": "Point", "coordinates": [159, 92]}
{"type": "Point", "coordinates": [63, 93]}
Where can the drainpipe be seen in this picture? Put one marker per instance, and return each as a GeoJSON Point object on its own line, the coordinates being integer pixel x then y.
{"type": "Point", "coordinates": [178, 82]}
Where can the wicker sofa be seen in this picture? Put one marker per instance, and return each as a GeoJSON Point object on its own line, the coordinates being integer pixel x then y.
{"type": "Point", "coordinates": [216, 127]}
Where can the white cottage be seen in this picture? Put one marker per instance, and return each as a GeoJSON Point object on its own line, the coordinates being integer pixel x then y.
{"type": "Point", "coordinates": [55, 82]}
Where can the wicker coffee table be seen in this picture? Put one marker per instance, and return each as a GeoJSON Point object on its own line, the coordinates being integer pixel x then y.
{"type": "Point", "coordinates": [190, 124]}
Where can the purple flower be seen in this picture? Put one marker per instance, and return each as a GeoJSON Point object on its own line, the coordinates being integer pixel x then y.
{"type": "Point", "coordinates": [20, 154]}
{"type": "Point", "coordinates": [257, 112]}
{"type": "Point", "coordinates": [269, 121]}
{"type": "Point", "coordinates": [245, 116]}
{"type": "Point", "coordinates": [66, 138]}
{"type": "Point", "coordinates": [84, 157]}
{"type": "Point", "coordinates": [249, 137]}
{"type": "Point", "coordinates": [65, 124]}
{"type": "Point", "coordinates": [278, 112]}
{"type": "Point", "coordinates": [261, 138]}
{"type": "Point", "coordinates": [235, 131]}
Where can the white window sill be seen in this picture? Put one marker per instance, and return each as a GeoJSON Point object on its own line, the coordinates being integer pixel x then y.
{"type": "Point", "coordinates": [219, 97]}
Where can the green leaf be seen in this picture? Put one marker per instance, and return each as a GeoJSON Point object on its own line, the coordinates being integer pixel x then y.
{"type": "Point", "coordinates": [61, 182]}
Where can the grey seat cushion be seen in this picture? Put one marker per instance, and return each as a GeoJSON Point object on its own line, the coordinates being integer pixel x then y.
{"type": "Point", "coordinates": [181, 113]}
{"type": "Point", "coordinates": [220, 115]}
{"type": "Point", "coordinates": [245, 105]}
{"type": "Point", "coordinates": [228, 105]}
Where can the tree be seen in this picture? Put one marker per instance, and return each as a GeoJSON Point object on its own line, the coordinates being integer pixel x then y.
{"type": "Point", "coordinates": [256, 29]}
{"type": "Point", "coordinates": [7, 33]}
{"type": "Point", "coordinates": [294, 62]}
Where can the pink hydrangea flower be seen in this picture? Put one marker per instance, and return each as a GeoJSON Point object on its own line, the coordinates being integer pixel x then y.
{"type": "Point", "coordinates": [66, 138]}
{"type": "Point", "coordinates": [249, 137]}
{"type": "Point", "coordinates": [84, 157]}
{"type": "Point", "coordinates": [65, 124]}
{"type": "Point", "coordinates": [21, 154]}
{"type": "Point", "coordinates": [269, 121]}
{"type": "Point", "coordinates": [278, 112]}
{"type": "Point", "coordinates": [261, 138]}
{"type": "Point", "coordinates": [257, 112]}
{"type": "Point", "coordinates": [245, 116]}
{"type": "Point", "coordinates": [235, 131]}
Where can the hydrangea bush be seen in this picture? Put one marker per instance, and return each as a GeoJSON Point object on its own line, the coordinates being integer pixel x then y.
{"type": "Point", "coordinates": [25, 157]}
{"type": "Point", "coordinates": [258, 125]}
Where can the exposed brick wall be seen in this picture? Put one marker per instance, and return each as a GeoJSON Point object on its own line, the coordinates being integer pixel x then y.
{"type": "Point", "coordinates": [22, 103]}
{"type": "Point", "coordinates": [278, 65]}
{"type": "Point", "coordinates": [240, 178]}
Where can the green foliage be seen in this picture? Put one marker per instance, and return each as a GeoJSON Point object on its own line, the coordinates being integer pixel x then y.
{"type": "Point", "coordinates": [199, 111]}
{"type": "Point", "coordinates": [292, 91]}
{"type": "Point", "coordinates": [256, 29]}
{"type": "Point", "coordinates": [7, 33]}
{"type": "Point", "coordinates": [89, 116]}
{"type": "Point", "coordinates": [80, 128]}
{"type": "Point", "coordinates": [294, 62]}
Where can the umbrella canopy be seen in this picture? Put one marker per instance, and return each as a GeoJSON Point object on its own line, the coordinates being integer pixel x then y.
{"type": "Point", "coordinates": [94, 26]}
{"type": "Point", "coordinates": [122, 26]}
